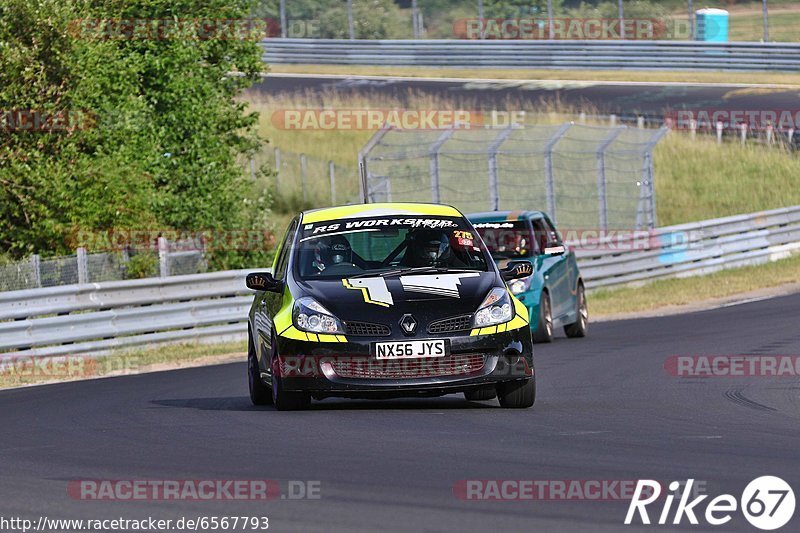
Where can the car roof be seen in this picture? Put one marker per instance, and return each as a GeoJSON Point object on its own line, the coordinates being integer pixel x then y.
{"type": "Point", "coordinates": [504, 216]}
{"type": "Point", "coordinates": [377, 210]}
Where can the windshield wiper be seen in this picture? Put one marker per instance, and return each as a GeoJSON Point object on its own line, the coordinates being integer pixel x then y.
{"type": "Point", "coordinates": [414, 270]}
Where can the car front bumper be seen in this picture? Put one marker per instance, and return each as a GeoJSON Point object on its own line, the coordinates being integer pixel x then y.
{"type": "Point", "coordinates": [349, 369]}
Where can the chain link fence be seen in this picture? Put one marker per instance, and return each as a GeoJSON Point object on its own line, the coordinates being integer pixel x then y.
{"type": "Point", "coordinates": [35, 272]}
{"type": "Point", "coordinates": [583, 176]}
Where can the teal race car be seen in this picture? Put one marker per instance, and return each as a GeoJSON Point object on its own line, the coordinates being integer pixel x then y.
{"type": "Point", "coordinates": [554, 294]}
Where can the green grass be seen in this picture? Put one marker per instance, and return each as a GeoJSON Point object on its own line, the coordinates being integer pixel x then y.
{"type": "Point", "coordinates": [681, 291]}
{"type": "Point", "coordinates": [134, 361]}
{"type": "Point", "coordinates": [545, 75]}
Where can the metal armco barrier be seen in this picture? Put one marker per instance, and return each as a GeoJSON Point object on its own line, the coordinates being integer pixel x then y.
{"type": "Point", "coordinates": [695, 248]}
{"type": "Point", "coordinates": [672, 55]}
{"type": "Point", "coordinates": [99, 317]}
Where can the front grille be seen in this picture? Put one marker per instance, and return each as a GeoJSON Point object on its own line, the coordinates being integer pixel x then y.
{"type": "Point", "coordinates": [365, 329]}
{"type": "Point", "coordinates": [451, 365]}
{"type": "Point", "coordinates": [455, 323]}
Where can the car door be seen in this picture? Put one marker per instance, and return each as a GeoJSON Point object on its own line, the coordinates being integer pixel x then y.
{"type": "Point", "coordinates": [553, 267]}
{"type": "Point", "coordinates": [269, 303]}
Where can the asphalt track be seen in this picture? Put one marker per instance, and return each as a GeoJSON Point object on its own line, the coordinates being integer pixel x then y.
{"type": "Point", "coordinates": [606, 410]}
{"type": "Point", "coordinates": [650, 99]}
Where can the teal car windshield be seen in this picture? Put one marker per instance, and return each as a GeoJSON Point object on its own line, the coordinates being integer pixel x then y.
{"type": "Point", "coordinates": [509, 239]}
{"type": "Point", "coordinates": [382, 245]}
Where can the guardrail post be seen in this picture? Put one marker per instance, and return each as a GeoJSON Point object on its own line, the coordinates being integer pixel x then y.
{"type": "Point", "coordinates": [83, 265]}
{"type": "Point", "coordinates": [163, 257]}
{"type": "Point", "coordinates": [433, 165]}
{"type": "Point", "coordinates": [494, 188]}
{"type": "Point", "coordinates": [36, 269]}
{"type": "Point", "coordinates": [549, 183]}
{"type": "Point", "coordinates": [601, 175]}
{"type": "Point", "coordinates": [743, 130]}
{"type": "Point", "coordinates": [332, 175]}
{"type": "Point", "coordinates": [720, 128]}
{"type": "Point", "coordinates": [303, 176]}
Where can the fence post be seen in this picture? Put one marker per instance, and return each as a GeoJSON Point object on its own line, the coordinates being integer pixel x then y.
{"type": "Point", "coordinates": [433, 165]}
{"type": "Point", "coordinates": [601, 175]}
{"type": "Point", "coordinates": [549, 184]}
{"type": "Point", "coordinates": [36, 268]}
{"type": "Point", "coordinates": [363, 156]}
{"type": "Point", "coordinates": [252, 169]}
{"type": "Point", "coordinates": [277, 168]}
{"type": "Point", "coordinates": [332, 174]}
{"type": "Point", "coordinates": [720, 127]}
{"type": "Point", "coordinates": [282, 8]}
{"type": "Point", "coordinates": [303, 176]}
{"type": "Point", "coordinates": [163, 257]}
{"type": "Point", "coordinates": [351, 29]}
{"type": "Point", "coordinates": [83, 265]}
{"type": "Point", "coordinates": [640, 122]}
{"type": "Point", "coordinates": [494, 188]}
{"type": "Point", "coordinates": [743, 128]}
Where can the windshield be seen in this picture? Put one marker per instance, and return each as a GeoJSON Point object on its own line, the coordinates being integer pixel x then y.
{"type": "Point", "coordinates": [508, 239]}
{"type": "Point", "coordinates": [387, 246]}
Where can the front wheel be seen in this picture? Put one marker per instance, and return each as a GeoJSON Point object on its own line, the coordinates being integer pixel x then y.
{"type": "Point", "coordinates": [286, 400]}
{"type": "Point", "coordinates": [544, 327]}
{"type": "Point", "coordinates": [517, 394]}
{"type": "Point", "coordinates": [580, 326]}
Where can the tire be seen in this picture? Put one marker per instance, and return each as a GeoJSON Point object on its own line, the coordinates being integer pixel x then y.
{"type": "Point", "coordinates": [481, 395]}
{"type": "Point", "coordinates": [544, 327]}
{"type": "Point", "coordinates": [517, 394]}
{"type": "Point", "coordinates": [581, 327]}
{"type": "Point", "coordinates": [259, 393]}
{"type": "Point", "coordinates": [285, 400]}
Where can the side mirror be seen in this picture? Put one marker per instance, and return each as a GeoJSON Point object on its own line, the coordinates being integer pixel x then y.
{"type": "Point", "coordinates": [516, 270]}
{"type": "Point", "coordinates": [263, 281]}
{"type": "Point", "coordinates": [554, 248]}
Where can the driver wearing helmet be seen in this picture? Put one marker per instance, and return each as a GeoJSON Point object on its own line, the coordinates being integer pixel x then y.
{"type": "Point", "coordinates": [331, 251]}
{"type": "Point", "coordinates": [427, 248]}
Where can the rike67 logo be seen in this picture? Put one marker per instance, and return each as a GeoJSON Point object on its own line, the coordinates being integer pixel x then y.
{"type": "Point", "coordinates": [767, 503]}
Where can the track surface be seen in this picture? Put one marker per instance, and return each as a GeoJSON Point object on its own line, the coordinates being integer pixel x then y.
{"type": "Point", "coordinates": [607, 409]}
{"type": "Point", "coordinates": [604, 97]}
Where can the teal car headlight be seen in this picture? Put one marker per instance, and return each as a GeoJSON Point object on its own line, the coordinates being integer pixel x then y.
{"type": "Point", "coordinates": [495, 309]}
{"type": "Point", "coordinates": [518, 286]}
{"type": "Point", "coordinates": [310, 316]}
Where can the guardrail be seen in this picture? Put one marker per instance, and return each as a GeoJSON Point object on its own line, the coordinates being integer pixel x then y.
{"type": "Point", "coordinates": [98, 317]}
{"type": "Point", "coordinates": [694, 248]}
{"type": "Point", "coordinates": [654, 55]}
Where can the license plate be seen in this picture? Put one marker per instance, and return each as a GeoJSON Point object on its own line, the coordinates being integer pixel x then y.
{"type": "Point", "coordinates": [410, 349]}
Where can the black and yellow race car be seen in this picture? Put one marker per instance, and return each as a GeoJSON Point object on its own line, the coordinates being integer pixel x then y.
{"type": "Point", "coordinates": [387, 300]}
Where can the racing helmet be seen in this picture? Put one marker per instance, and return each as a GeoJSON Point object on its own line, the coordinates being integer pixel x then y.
{"type": "Point", "coordinates": [428, 247]}
{"type": "Point", "coordinates": [332, 251]}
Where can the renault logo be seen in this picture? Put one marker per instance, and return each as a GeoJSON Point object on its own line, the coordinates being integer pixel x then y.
{"type": "Point", "coordinates": [409, 324]}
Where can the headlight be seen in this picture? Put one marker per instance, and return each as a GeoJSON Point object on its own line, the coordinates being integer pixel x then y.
{"type": "Point", "coordinates": [495, 309]}
{"type": "Point", "coordinates": [519, 286]}
{"type": "Point", "coordinates": [309, 315]}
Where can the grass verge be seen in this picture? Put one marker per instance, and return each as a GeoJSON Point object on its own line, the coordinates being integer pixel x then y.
{"type": "Point", "coordinates": [682, 291]}
{"type": "Point", "coordinates": [643, 76]}
{"type": "Point", "coordinates": [26, 371]}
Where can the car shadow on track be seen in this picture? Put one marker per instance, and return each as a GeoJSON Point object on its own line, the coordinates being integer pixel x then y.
{"type": "Point", "coordinates": [242, 403]}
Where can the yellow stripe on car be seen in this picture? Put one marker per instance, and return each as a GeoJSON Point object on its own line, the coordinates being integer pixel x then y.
{"type": "Point", "coordinates": [520, 320]}
{"type": "Point", "coordinates": [378, 209]}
